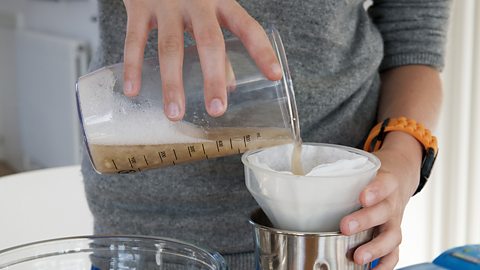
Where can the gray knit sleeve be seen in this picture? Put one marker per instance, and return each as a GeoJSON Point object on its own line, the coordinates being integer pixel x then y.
{"type": "Point", "coordinates": [413, 31]}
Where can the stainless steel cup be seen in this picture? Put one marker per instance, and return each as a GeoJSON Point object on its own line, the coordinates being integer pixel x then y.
{"type": "Point", "coordinates": [288, 250]}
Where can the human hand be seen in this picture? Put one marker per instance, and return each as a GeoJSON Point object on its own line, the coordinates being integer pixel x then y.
{"type": "Point", "coordinates": [203, 19]}
{"type": "Point", "coordinates": [384, 200]}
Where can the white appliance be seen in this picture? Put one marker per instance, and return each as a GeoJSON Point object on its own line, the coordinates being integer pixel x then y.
{"type": "Point", "coordinates": [47, 68]}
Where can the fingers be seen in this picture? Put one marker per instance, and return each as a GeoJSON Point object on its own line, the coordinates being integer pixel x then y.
{"type": "Point", "coordinates": [380, 188]}
{"type": "Point", "coordinates": [378, 206]}
{"type": "Point", "coordinates": [211, 51]}
{"type": "Point", "coordinates": [137, 32]}
{"type": "Point", "coordinates": [170, 54]}
{"type": "Point", "coordinates": [389, 261]}
{"type": "Point", "coordinates": [381, 207]}
{"type": "Point", "coordinates": [253, 37]}
{"type": "Point", "coordinates": [383, 245]}
{"type": "Point", "coordinates": [366, 218]}
{"type": "Point", "coordinates": [201, 17]}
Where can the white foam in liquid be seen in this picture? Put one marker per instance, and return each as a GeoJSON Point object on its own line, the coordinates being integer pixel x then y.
{"type": "Point", "coordinates": [114, 119]}
{"type": "Point", "coordinates": [315, 202]}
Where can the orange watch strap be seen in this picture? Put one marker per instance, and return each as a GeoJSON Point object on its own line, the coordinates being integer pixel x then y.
{"type": "Point", "coordinates": [418, 131]}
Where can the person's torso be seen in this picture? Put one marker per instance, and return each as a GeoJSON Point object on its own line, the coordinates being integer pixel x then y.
{"type": "Point", "coordinates": [333, 52]}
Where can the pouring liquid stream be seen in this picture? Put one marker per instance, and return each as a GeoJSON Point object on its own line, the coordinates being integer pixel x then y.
{"type": "Point", "coordinates": [296, 162]}
{"type": "Point", "coordinates": [297, 166]}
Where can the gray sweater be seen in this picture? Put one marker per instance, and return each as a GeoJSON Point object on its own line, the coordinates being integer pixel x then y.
{"type": "Point", "coordinates": [335, 50]}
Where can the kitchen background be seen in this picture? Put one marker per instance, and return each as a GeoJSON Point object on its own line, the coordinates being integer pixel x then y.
{"type": "Point", "coordinates": [45, 45]}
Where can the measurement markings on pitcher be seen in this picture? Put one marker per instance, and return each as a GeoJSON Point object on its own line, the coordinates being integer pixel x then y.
{"type": "Point", "coordinates": [191, 149]}
{"type": "Point", "coordinates": [131, 163]}
{"type": "Point", "coordinates": [246, 139]}
{"type": "Point", "coordinates": [115, 165]}
{"type": "Point", "coordinates": [162, 155]}
{"type": "Point", "coordinates": [144, 157]}
{"type": "Point", "coordinates": [219, 145]}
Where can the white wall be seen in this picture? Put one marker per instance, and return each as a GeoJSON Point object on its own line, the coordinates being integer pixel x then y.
{"type": "Point", "coordinates": [71, 19]}
{"type": "Point", "coordinates": [75, 19]}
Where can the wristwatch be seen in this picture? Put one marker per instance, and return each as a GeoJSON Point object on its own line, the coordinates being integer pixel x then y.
{"type": "Point", "coordinates": [418, 131]}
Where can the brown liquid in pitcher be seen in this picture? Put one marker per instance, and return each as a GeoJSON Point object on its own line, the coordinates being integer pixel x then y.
{"type": "Point", "coordinates": [108, 158]}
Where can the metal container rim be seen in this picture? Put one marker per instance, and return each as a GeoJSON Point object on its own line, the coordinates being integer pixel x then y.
{"type": "Point", "coordinates": [258, 213]}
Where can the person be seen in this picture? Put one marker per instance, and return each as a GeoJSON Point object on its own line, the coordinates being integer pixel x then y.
{"type": "Point", "coordinates": [352, 67]}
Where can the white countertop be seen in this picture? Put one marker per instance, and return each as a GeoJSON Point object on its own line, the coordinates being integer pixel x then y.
{"type": "Point", "coordinates": [43, 204]}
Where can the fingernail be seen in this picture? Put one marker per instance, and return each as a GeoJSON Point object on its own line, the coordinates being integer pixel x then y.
{"type": "Point", "coordinates": [216, 106]}
{"type": "Point", "coordinates": [367, 257]}
{"type": "Point", "coordinates": [276, 69]}
{"type": "Point", "coordinates": [128, 87]}
{"type": "Point", "coordinates": [353, 226]}
{"type": "Point", "coordinates": [369, 198]}
{"type": "Point", "coordinates": [173, 111]}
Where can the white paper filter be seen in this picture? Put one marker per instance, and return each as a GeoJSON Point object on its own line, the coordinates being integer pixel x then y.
{"type": "Point", "coordinates": [316, 202]}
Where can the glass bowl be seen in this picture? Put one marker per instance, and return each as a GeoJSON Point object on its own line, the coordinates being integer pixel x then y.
{"type": "Point", "coordinates": [110, 252]}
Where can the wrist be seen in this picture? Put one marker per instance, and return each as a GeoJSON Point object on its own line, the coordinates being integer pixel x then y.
{"type": "Point", "coordinates": [406, 145]}
{"type": "Point", "coordinates": [407, 140]}
{"type": "Point", "coordinates": [408, 154]}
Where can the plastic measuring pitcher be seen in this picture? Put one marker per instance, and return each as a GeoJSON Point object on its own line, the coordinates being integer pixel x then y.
{"type": "Point", "coordinates": [125, 135]}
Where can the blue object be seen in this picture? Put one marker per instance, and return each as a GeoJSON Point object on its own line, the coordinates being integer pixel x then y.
{"type": "Point", "coordinates": [424, 266]}
{"type": "Point", "coordinates": [459, 258]}
{"type": "Point", "coordinates": [464, 258]}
